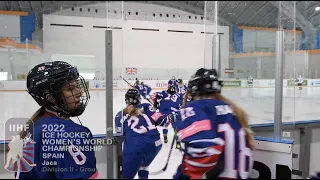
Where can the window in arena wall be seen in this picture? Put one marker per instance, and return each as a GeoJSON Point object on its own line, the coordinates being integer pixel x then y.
{"type": "Point", "coordinates": [3, 76]}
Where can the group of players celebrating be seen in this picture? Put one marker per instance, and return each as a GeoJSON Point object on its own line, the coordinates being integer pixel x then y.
{"type": "Point", "coordinates": [212, 129]}
{"type": "Point", "coordinates": [217, 142]}
{"type": "Point", "coordinates": [166, 102]}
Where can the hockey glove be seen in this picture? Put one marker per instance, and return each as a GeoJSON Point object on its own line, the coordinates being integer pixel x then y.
{"type": "Point", "coordinates": [166, 120]}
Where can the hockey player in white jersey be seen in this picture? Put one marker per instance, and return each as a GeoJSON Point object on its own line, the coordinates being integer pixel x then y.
{"type": "Point", "coordinates": [300, 81]}
{"type": "Point", "coordinates": [250, 81]}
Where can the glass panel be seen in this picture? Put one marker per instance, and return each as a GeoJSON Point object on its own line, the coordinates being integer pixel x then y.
{"type": "Point", "coordinates": [54, 32]}
{"type": "Point", "coordinates": [153, 47]}
{"type": "Point", "coordinates": [154, 43]}
{"type": "Point", "coordinates": [247, 49]}
{"type": "Point", "coordinates": [15, 56]}
{"type": "Point", "coordinates": [304, 84]}
{"type": "Point", "coordinates": [251, 74]}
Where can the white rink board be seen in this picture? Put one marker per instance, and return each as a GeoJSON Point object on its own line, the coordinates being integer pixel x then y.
{"type": "Point", "coordinates": [159, 84]}
{"type": "Point", "coordinates": [272, 153]}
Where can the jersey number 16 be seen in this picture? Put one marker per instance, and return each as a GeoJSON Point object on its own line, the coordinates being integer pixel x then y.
{"type": "Point", "coordinates": [230, 150]}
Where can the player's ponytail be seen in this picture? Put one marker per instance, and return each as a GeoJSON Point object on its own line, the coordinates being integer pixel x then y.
{"type": "Point", "coordinates": [131, 110]}
{"type": "Point", "coordinates": [242, 118]}
{"type": "Point", "coordinates": [40, 112]}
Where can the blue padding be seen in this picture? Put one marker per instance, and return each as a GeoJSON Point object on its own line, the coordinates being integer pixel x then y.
{"type": "Point", "coordinates": [99, 136]}
{"type": "Point", "coordinates": [283, 141]}
{"type": "Point", "coordinates": [318, 40]}
{"type": "Point", "coordinates": [94, 136]}
{"type": "Point", "coordinates": [27, 27]}
{"type": "Point", "coordinates": [4, 142]}
{"type": "Point", "coordinates": [237, 37]}
{"type": "Point", "coordinates": [304, 41]}
{"type": "Point", "coordinates": [104, 136]}
{"type": "Point", "coordinates": [252, 126]}
{"type": "Point", "coordinates": [286, 123]}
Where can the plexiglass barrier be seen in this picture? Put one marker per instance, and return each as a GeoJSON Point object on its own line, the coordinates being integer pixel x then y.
{"type": "Point", "coordinates": [265, 52]}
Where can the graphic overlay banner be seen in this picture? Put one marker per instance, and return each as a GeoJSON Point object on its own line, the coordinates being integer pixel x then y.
{"type": "Point", "coordinates": [20, 155]}
{"type": "Point", "coordinates": [66, 149]}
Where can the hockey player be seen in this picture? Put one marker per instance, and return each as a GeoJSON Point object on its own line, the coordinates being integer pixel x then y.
{"type": "Point", "coordinates": [140, 87]}
{"type": "Point", "coordinates": [181, 91]}
{"type": "Point", "coordinates": [213, 130]}
{"type": "Point", "coordinates": [142, 142]}
{"type": "Point", "coordinates": [172, 82]}
{"type": "Point", "coordinates": [167, 102]}
{"type": "Point", "coordinates": [250, 81]}
{"type": "Point", "coordinates": [300, 81]}
{"type": "Point", "coordinates": [147, 88]}
{"type": "Point", "coordinates": [62, 93]}
{"type": "Point", "coordinates": [181, 87]}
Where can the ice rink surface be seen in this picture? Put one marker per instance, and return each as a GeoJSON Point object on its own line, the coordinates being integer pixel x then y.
{"type": "Point", "coordinates": [298, 105]}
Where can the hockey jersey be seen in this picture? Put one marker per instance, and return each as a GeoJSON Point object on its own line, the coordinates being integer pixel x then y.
{"type": "Point", "coordinates": [169, 103]}
{"type": "Point", "coordinates": [147, 89]}
{"type": "Point", "coordinates": [141, 89]}
{"type": "Point", "coordinates": [173, 82]}
{"type": "Point", "coordinates": [141, 129]}
{"type": "Point", "coordinates": [300, 80]}
{"type": "Point", "coordinates": [182, 89]}
{"type": "Point", "coordinates": [211, 132]}
{"type": "Point", "coordinates": [63, 150]}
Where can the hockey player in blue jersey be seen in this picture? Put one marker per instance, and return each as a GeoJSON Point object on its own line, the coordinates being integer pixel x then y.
{"type": "Point", "coordinates": [172, 82]}
{"type": "Point", "coordinates": [62, 93]}
{"type": "Point", "coordinates": [147, 88]}
{"type": "Point", "coordinates": [167, 102]}
{"type": "Point", "coordinates": [140, 88]}
{"type": "Point", "coordinates": [181, 87]}
{"type": "Point", "coordinates": [142, 142]}
{"type": "Point", "coordinates": [213, 130]}
{"type": "Point", "coordinates": [143, 89]}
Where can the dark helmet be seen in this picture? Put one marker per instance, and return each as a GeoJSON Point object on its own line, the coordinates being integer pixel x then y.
{"type": "Point", "coordinates": [137, 82]}
{"type": "Point", "coordinates": [172, 89]}
{"type": "Point", "coordinates": [132, 97]}
{"type": "Point", "coordinates": [180, 81]}
{"type": "Point", "coordinates": [45, 82]}
{"type": "Point", "coordinates": [204, 81]}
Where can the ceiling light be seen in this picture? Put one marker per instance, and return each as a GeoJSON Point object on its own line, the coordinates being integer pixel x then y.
{"type": "Point", "coordinates": [317, 8]}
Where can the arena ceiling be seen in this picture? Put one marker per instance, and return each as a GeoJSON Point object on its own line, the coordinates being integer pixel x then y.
{"type": "Point", "coordinates": [247, 13]}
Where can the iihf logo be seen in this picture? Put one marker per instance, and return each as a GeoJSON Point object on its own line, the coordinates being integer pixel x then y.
{"type": "Point", "coordinates": [20, 155]}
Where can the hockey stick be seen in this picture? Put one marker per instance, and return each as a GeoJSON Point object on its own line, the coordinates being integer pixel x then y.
{"type": "Point", "coordinates": [167, 162]}
{"type": "Point", "coordinates": [138, 90]}
{"type": "Point", "coordinates": [173, 140]}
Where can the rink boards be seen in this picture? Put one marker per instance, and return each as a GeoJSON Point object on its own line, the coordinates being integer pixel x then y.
{"type": "Point", "coordinates": [119, 84]}
{"type": "Point", "coordinates": [298, 105]}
